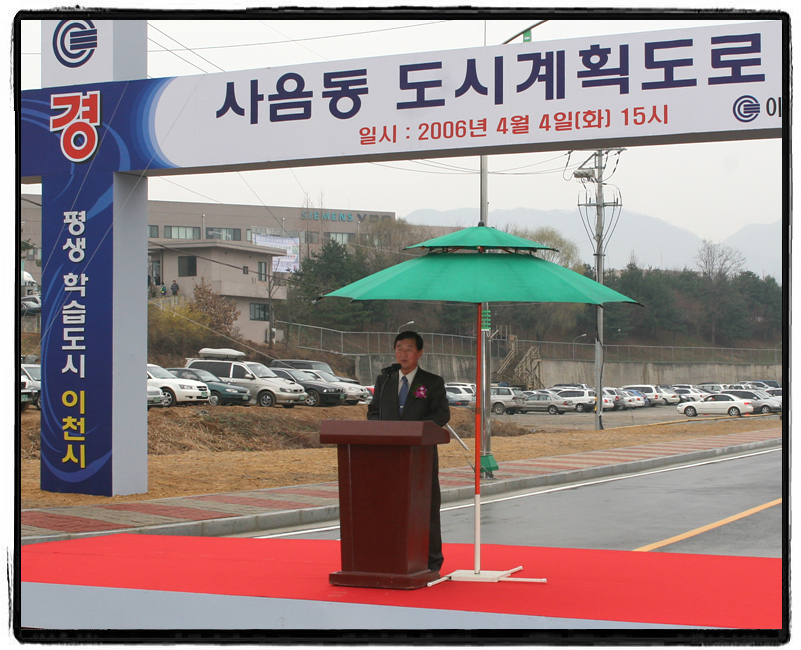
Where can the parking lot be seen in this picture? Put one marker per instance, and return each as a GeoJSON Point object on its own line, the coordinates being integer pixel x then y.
{"type": "Point", "coordinates": [586, 421]}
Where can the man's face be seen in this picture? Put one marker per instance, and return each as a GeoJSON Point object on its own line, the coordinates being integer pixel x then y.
{"type": "Point", "coordinates": [407, 355]}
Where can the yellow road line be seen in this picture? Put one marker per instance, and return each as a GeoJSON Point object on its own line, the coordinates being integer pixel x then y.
{"type": "Point", "coordinates": [703, 529]}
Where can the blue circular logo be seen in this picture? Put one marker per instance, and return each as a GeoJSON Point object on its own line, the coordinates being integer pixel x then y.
{"type": "Point", "coordinates": [746, 108]}
{"type": "Point", "coordinates": [74, 42]}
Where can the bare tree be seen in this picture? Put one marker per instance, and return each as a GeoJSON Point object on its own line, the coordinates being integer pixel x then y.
{"type": "Point", "coordinates": [718, 262]}
{"type": "Point", "coordinates": [539, 319]}
{"type": "Point", "coordinates": [718, 265]}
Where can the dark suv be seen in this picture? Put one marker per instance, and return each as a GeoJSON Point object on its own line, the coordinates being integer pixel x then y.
{"type": "Point", "coordinates": [320, 393]}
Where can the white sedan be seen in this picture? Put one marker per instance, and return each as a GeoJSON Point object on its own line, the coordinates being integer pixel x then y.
{"type": "Point", "coordinates": [716, 405]}
{"type": "Point", "coordinates": [633, 400]}
{"type": "Point", "coordinates": [176, 391]}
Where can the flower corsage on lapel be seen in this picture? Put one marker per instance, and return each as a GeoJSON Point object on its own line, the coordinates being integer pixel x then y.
{"type": "Point", "coordinates": [421, 392]}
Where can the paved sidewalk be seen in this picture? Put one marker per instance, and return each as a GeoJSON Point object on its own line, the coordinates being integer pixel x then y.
{"type": "Point", "coordinates": [234, 513]}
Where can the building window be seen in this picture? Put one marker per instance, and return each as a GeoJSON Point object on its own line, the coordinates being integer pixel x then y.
{"type": "Point", "coordinates": [312, 237]}
{"type": "Point", "coordinates": [224, 234]}
{"type": "Point", "coordinates": [34, 255]}
{"type": "Point", "coordinates": [152, 231]}
{"type": "Point", "coordinates": [259, 311]}
{"type": "Point", "coordinates": [262, 270]}
{"type": "Point", "coordinates": [181, 232]}
{"type": "Point", "coordinates": [342, 237]}
{"type": "Point", "coordinates": [187, 266]}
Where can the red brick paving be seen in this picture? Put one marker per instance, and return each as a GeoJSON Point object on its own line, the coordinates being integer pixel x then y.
{"type": "Point", "coordinates": [66, 523]}
{"type": "Point", "coordinates": [176, 512]}
{"type": "Point", "coordinates": [275, 504]}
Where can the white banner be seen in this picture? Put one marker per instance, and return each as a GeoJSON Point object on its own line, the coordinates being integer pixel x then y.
{"type": "Point", "coordinates": [705, 83]}
{"type": "Point", "coordinates": [288, 263]}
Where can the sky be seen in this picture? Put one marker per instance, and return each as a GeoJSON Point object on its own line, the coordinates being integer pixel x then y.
{"type": "Point", "coordinates": [712, 190]}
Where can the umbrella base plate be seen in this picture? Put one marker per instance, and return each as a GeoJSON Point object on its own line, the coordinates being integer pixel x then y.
{"type": "Point", "coordinates": [469, 575]}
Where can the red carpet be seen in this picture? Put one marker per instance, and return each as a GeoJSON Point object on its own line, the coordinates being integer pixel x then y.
{"type": "Point", "coordinates": [625, 586]}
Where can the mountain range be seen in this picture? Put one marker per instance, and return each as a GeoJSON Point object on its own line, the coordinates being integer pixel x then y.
{"type": "Point", "coordinates": [649, 241]}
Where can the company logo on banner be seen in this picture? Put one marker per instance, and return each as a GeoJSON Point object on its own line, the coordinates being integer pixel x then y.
{"type": "Point", "coordinates": [288, 263]}
{"type": "Point", "coordinates": [74, 42]}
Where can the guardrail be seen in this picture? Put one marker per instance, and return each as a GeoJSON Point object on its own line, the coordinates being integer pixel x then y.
{"type": "Point", "coordinates": [355, 343]}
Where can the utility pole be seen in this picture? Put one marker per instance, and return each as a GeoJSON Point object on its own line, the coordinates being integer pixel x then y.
{"type": "Point", "coordinates": [595, 173]}
{"type": "Point", "coordinates": [599, 277]}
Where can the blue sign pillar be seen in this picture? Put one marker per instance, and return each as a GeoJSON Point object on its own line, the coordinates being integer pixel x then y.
{"type": "Point", "coordinates": [94, 240]}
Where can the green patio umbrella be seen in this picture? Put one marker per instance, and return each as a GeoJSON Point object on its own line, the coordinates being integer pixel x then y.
{"type": "Point", "coordinates": [480, 265]}
{"type": "Point", "coordinates": [461, 268]}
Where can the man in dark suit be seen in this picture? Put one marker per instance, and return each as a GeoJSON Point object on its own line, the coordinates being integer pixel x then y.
{"type": "Point", "coordinates": [411, 393]}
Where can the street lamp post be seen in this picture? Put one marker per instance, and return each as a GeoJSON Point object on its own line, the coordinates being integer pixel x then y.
{"type": "Point", "coordinates": [485, 363]}
{"type": "Point", "coordinates": [574, 344]}
{"type": "Point", "coordinates": [411, 322]}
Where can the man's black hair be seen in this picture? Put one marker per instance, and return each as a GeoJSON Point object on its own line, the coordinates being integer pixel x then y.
{"type": "Point", "coordinates": [418, 340]}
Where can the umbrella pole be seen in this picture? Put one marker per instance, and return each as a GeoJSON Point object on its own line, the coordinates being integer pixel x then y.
{"type": "Point", "coordinates": [480, 406]}
{"type": "Point", "coordinates": [477, 575]}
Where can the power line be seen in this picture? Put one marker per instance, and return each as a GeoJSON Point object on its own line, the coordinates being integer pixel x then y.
{"type": "Point", "coordinates": [310, 38]}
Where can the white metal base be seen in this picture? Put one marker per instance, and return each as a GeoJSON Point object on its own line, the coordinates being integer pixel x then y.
{"type": "Point", "coordinates": [469, 575]}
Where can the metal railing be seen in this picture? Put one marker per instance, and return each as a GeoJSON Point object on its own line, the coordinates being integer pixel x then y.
{"type": "Point", "coordinates": [348, 343]}
{"type": "Point", "coordinates": [352, 343]}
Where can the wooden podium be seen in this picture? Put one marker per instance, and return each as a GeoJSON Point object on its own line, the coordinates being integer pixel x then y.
{"type": "Point", "coordinates": [385, 474]}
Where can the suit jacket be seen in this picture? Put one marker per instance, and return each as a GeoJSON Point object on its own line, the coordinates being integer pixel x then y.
{"type": "Point", "coordinates": [427, 399]}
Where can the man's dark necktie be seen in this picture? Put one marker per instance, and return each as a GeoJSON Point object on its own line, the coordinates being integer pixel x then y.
{"type": "Point", "coordinates": [404, 391]}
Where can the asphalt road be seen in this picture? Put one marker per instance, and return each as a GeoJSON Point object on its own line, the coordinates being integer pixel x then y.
{"type": "Point", "coordinates": [717, 507]}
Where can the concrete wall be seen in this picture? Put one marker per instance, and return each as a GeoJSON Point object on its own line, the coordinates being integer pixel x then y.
{"type": "Point", "coordinates": [462, 368]}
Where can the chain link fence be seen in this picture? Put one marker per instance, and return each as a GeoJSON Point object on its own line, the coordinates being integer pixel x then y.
{"type": "Point", "coordinates": [353, 343]}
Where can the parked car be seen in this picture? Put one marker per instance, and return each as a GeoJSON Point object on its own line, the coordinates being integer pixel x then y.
{"type": "Point", "coordinates": [583, 399]}
{"type": "Point", "coordinates": [505, 399]}
{"type": "Point", "coordinates": [669, 395]}
{"type": "Point", "coordinates": [770, 383]}
{"type": "Point", "coordinates": [653, 393]}
{"type": "Point", "coordinates": [306, 364]}
{"type": "Point", "coordinates": [717, 404]}
{"type": "Point", "coordinates": [220, 392]}
{"type": "Point", "coordinates": [176, 391]}
{"type": "Point", "coordinates": [354, 393]}
{"type": "Point", "coordinates": [461, 393]}
{"type": "Point", "coordinates": [457, 397]}
{"type": "Point", "coordinates": [618, 398]}
{"type": "Point", "coordinates": [561, 387]}
{"type": "Point", "coordinates": [470, 388]}
{"type": "Point", "coordinates": [30, 304]}
{"type": "Point", "coordinates": [266, 388]}
{"type": "Point", "coordinates": [26, 394]}
{"type": "Point", "coordinates": [319, 393]}
{"type": "Point", "coordinates": [689, 394]}
{"type": "Point", "coordinates": [760, 400]}
{"type": "Point", "coordinates": [546, 402]}
{"type": "Point", "coordinates": [634, 399]}
{"type": "Point", "coordinates": [33, 372]}
{"type": "Point", "coordinates": [712, 387]}
{"type": "Point", "coordinates": [155, 397]}
{"type": "Point", "coordinates": [775, 392]}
